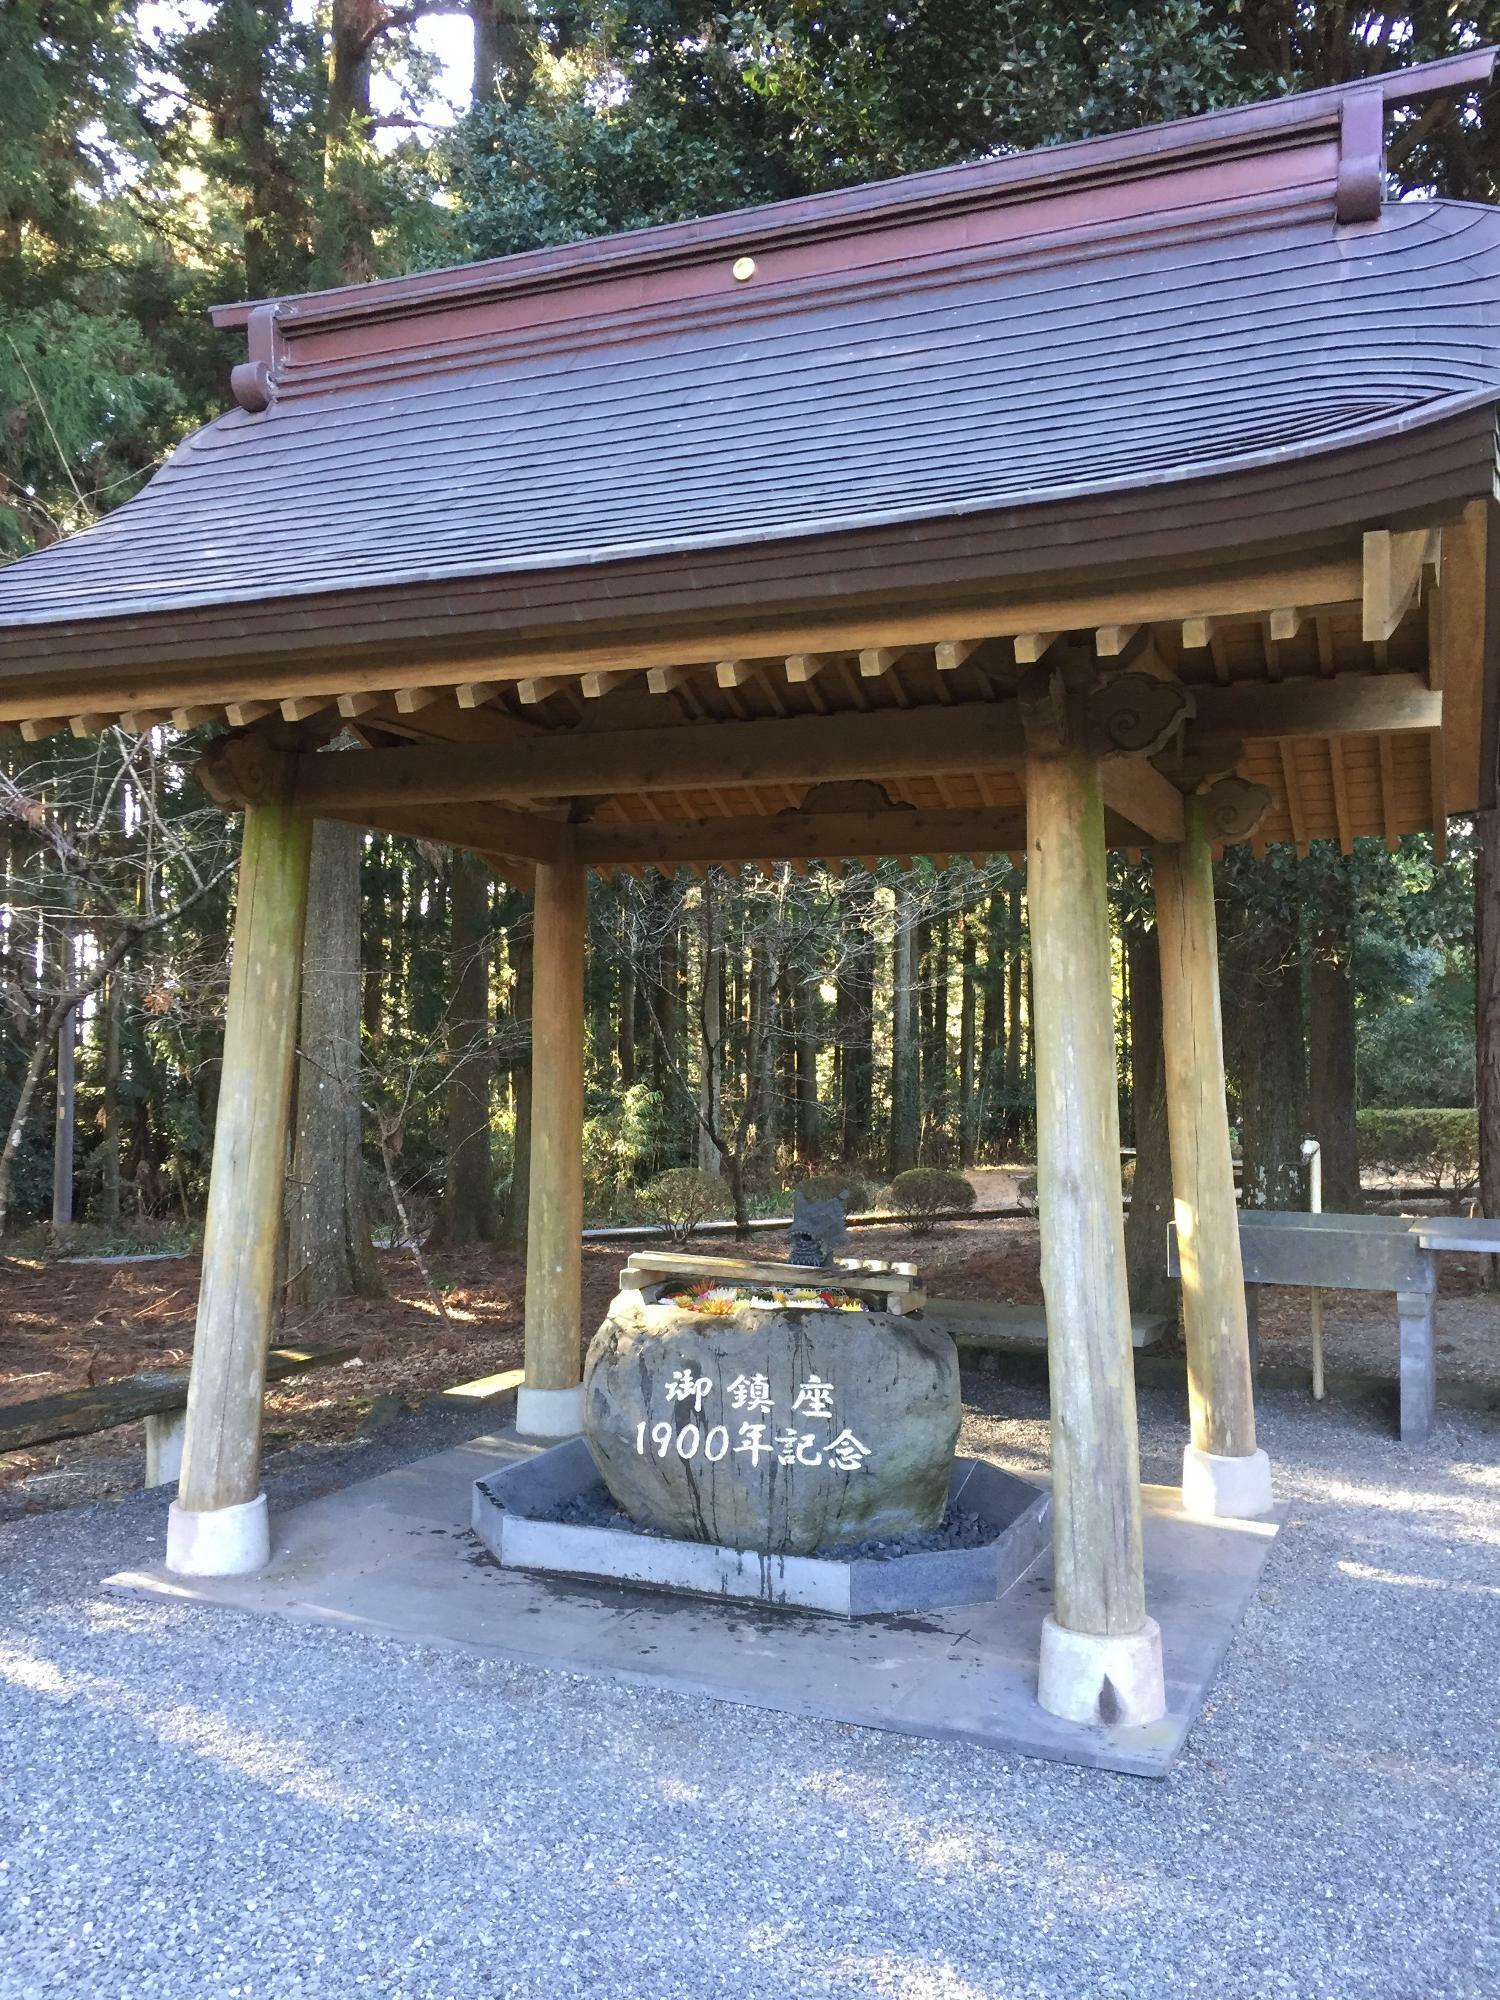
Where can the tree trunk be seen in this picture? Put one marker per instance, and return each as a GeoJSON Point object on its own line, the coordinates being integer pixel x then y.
{"type": "Point", "coordinates": [905, 1079]}
{"type": "Point", "coordinates": [1264, 975]}
{"type": "Point", "coordinates": [65, 1099]}
{"type": "Point", "coordinates": [856, 982]}
{"type": "Point", "coordinates": [1331, 1089]}
{"type": "Point", "coordinates": [329, 1253]}
{"type": "Point", "coordinates": [512, 1233]}
{"type": "Point", "coordinates": [1150, 1212]}
{"type": "Point", "coordinates": [968, 1091]}
{"type": "Point", "coordinates": [467, 1214]}
{"type": "Point", "coordinates": [113, 999]}
{"type": "Point", "coordinates": [710, 1031]}
{"type": "Point", "coordinates": [1015, 1117]}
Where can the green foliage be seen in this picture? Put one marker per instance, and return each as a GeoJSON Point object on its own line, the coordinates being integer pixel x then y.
{"type": "Point", "coordinates": [681, 1198]}
{"type": "Point", "coordinates": [617, 1137]}
{"type": "Point", "coordinates": [1437, 1148]}
{"type": "Point", "coordinates": [924, 1194]}
{"type": "Point", "coordinates": [856, 1195]}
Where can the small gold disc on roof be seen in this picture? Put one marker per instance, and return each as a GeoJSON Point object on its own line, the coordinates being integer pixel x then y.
{"type": "Point", "coordinates": [744, 267]}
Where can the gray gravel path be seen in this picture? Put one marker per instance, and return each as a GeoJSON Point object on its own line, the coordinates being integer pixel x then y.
{"type": "Point", "coordinates": [199, 1804]}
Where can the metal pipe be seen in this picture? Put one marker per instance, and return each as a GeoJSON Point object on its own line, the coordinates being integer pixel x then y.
{"type": "Point", "coordinates": [1312, 1152]}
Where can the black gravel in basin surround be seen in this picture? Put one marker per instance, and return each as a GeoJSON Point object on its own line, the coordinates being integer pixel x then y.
{"type": "Point", "coordinates": [958, 1529]}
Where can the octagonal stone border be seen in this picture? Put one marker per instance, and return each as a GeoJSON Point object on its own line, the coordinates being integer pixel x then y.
{"type": "Point", "coordinates": [507, 1504]}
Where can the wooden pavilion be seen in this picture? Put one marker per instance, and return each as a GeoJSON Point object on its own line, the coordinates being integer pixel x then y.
{"type": "Point", "coordinates": [1134, 492]}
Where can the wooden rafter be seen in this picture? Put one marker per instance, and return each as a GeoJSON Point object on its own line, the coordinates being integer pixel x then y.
{"type": "Point", "coordinates": [1340, 780]}
{"type": "Point", "coordinates": [1386, 754]}
{"type": "Point", "coordinates": [1292, 787]}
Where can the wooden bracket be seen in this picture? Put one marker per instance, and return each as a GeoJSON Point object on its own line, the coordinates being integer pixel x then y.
{"type": "Point", "coordinates": [245, 770]}
{"type": "Point", "coordinates": [1134, 714]}
{"type": "Point", "coordinates": [1392, 573]}
{"type": "Point", "coordinates": [1232, 808]}
{"type": "Point", "coordinates": [1042, 699]}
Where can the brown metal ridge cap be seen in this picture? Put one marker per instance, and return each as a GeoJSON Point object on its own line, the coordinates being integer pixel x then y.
{"type": "Point", "coordinates": [1204, 140]}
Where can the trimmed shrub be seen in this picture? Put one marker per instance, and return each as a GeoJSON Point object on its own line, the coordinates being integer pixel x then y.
{"type": "Point", "coordinates": [1438, 1149]}
{"type": "Point", "coordinates": [922, 1194]}
{"type": "Point", "coordinates": [856, 1195]}
{"type": "Point", "coordinates": [683, 1197]}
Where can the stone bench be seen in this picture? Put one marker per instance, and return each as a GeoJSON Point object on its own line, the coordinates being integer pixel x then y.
{"type": "Point", "coordinates": [988, 1325]}
{"type": "Point", "coordinates": [160, 1398]}
{"type": "Point", "coordinates": [1364, 1253]}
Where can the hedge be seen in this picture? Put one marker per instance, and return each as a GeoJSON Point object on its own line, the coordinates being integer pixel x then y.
{"type": "Point", "coordinates": [1438, 1149]}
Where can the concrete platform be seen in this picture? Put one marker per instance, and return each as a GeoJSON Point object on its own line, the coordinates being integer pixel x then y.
{"type": "Point", "coordinates": [395, 1555]}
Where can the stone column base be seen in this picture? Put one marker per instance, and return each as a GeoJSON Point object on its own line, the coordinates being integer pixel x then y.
{"type": "Point", "coordinates": [1225, 1489]}
{"type": "Point", "coordinates": [549, 1413]}
{"type": "Point", "coordinates": [1090, 1677]}
{"type": "Point", "coordinates": [221, 1541]}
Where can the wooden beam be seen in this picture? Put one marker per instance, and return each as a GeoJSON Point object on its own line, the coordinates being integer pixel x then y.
{"type": "Point", "coordinates": [949, 654]}
{"type": "Point", "coordinates": [1345, 705]}
{"type": "Point", "coordinates": [1244, 590]}
{"type": "Point", "coordinates": [1111, 640]}
{"type": "Point", "coordinates": [662, 680]}
{"type": "Point", "coordinates": [594, 687]}
{"type": "Point", "coordinates": [803, 749]}
{"type": "Point", "coordinates": [1197, 632]}
{"type": "Point", "coordinates": [194, 717]}
{"type": "Point", "coordinates": [139, 720]}
{"type": "Point", "coordinates": [1136, 791]}
{"type": "Point", "coordinates": [89, 725]}
{"type": "Point", "coordinates": [35, 728]}
{"type": "Point", "coordinates": [479, 828]}
{"type": "Point", "coordinates": [1285, 623]}
{"type": "Point", "coordinates": [1466, 644]}
{"type": "Point", "coordinates": [412, 700]}
{"type": "Point", "coordinates": [877, 660]}
{"type": "Point", "coordinates": [805, 666]}
{"type": "Point", "coordinates": [299, 707]}
{"type": "Point", "coordinates": [734, 673]}
{"type": "Point", "coordinates": [242, 713]}
{"type": "Point", "coordinates": [793, 836]}
{"type": "Point", "coordinates": [1392, 572]}
{"type": "Point", "coordinates": [962, 738]}
{"type": "Point", "coordinates": [530, 692]}
{"type": "Point", "coordinates": [1032, 646]}
{"type": "Point", "coordinates": [476, 694]}
{"type": "Point", "coordinates": [352, 705]}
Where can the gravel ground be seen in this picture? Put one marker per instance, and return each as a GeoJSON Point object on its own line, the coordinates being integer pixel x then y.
{"type": "Point", "coordinates": [200, 1803]}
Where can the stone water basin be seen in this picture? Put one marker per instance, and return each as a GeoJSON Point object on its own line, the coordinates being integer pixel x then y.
{"type": "Point", "coordinates": [512, 1509]}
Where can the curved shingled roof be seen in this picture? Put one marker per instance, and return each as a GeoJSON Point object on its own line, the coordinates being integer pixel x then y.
{"type": "Point", "coordinates": [1015, 385]}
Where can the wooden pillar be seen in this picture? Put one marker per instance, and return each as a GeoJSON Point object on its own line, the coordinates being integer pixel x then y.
{"type": "Point", "coordinates": [1223, 1473]}
{"type": "Point", "coordinates": [218, 1522]}
{"type": "Point", "coordinates": [551, 1403]}
{"type": "Point", "coordinates": [1101, 1654]}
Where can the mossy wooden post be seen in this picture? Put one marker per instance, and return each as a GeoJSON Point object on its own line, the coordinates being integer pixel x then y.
{"type": "Point", "coordinates": [551, 1403]}
{"type": "Point", "coordinates": [1223, 1472]}
{"type": "Point", "coordinates": [1101, 1654]}
{"type": "Point", "coordinates": [218, 1523]}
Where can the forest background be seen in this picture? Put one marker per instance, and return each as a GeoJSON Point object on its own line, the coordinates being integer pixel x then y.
{"type": "Point", "coordinates": [156, 158]}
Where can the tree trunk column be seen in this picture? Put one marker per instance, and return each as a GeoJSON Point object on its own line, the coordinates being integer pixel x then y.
{"type": "Point", "coordinates": [217, 1525]}
{"type": "Point", "coordinates": [1101, 1654]}
{"type": "Point", "coordinates": [1223, 1473]}
{"type": "Point", "coordinates": [551, 1403]}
